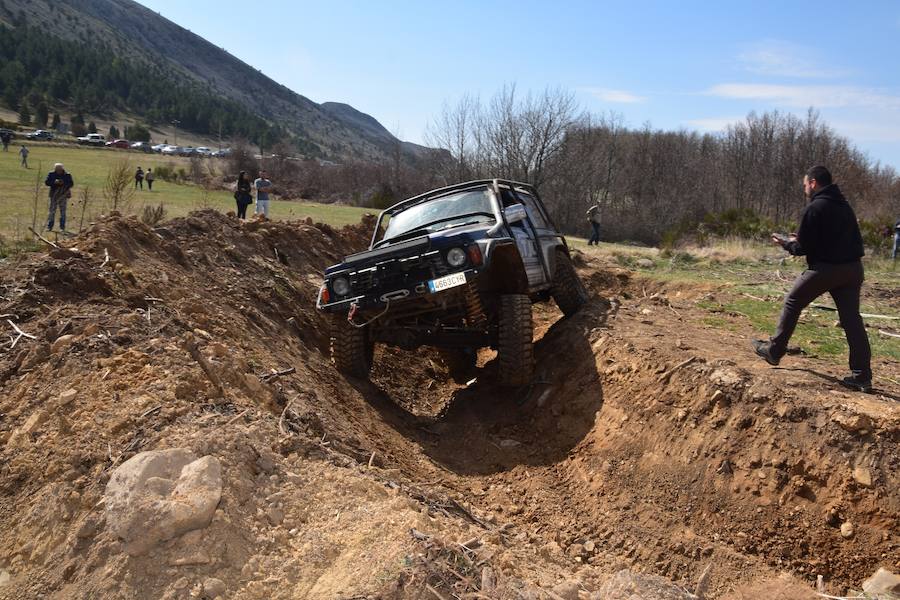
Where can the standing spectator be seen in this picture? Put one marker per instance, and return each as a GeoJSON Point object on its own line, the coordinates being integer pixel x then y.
{"type": "Point", "coordinates": [5, 137]}
{"type": "Point", "coordinates": [149, 178]}
{"type": "Point", "coordinates": [23, 152]}
{"type": "Point", "coordinates": [896, 240]}
{"type": "Point", "coordinates": [830, 239]}
{"type": "Point", "coordinates": [60, 184]}
{"type": "Point", "coordinates": [139, 178]}
{"type": "Point", "coordinates": [242, 191]}
{"type": "Point", "coordinates": [263, 188]}
{"type": "Point", "coordinates": [593, 216]}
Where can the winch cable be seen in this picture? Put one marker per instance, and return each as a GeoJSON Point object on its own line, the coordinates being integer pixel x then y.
{"type": "Point", "coordinates": [355, 307]}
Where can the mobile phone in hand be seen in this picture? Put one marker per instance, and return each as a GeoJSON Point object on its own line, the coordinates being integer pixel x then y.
{"type": "Point", "coordinates": [782, 238]}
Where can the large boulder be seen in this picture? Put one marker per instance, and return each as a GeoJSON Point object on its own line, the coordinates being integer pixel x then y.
{"type": "Point", "coordinates": [157, 495]}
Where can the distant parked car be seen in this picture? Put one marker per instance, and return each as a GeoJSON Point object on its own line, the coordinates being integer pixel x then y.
{"type": "Point", "coordinates": [142, 146]}
{"type": "Point", "coordinates": [172, 150]}
{"type": "Point", "coordinates": [120, 143]}
{"type": "Point", "coordinates": [222, 153]}
{"type": "Point", "coordinates": [159, 147]}
{"type": "Point", "coordinates": [92, 139]}
{"type": "Point", "coordinates": [188, 151]}
{"type": "Point", "coordinates": [203, 151]}
{"type": "Point", "coordinates": [40, 134]}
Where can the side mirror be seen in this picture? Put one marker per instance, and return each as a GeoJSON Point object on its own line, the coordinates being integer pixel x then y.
{"type": "Point", "coordinates": [515, 213]}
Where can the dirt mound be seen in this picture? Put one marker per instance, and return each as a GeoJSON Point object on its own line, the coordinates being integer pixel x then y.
{"type": "Point", "coordinates": [627, 452]}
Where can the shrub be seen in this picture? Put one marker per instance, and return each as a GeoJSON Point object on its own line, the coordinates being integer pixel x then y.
{"type": "Point", "coordinates": [166, 173]}
{"type": "Point", "coordinates": [153, 215]}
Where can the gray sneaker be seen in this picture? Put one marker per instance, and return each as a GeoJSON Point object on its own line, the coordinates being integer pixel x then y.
{"type": "Point", "coordinates": [764, 350]}
{"type": "Point", "coordinates": [857, 383]}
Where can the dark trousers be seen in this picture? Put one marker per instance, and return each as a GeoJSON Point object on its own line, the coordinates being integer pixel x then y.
{"type": "Point", "coordinates": [138, 182]}
{"type": "Point", "coordinates": [242, 209]}
{"type": "Point", "coordinates": [843, 282]}
{"type": "Point", "coordinates": [150, 185]}
{"type": "Point", "coordinates": [57, 201]}
{"type": "Point", "coordinates": [595, 233]}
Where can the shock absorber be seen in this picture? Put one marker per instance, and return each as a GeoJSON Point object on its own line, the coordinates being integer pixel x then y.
{"type": "Point", "coordinates": [474, 308]}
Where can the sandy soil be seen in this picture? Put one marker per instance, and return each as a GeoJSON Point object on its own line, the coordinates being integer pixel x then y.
{"type": "Point", "coordinates": [647, 441]}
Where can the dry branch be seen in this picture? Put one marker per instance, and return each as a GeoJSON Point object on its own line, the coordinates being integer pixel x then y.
{"type": "Point", "coordinates": [269, 376]}
{"type": "Point", "coordinates": [43, 239]}
{"type": "Point", "coordinates": [190, 344]}
{"type": "Point", "coordinates": [664, 378]}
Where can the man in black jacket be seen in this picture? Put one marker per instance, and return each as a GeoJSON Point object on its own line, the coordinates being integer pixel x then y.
{"type": "Point", "coordinates": [829, 237]}
{"type": "Point", "coordinates": [60, 184]}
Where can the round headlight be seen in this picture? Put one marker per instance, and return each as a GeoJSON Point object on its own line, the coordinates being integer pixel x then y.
{"type": "Point", "coordinates": [341, 286]}
{"type": "Point", "coordinates": [456, 257]}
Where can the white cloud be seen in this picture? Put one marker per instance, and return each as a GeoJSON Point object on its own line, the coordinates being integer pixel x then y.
{"type": "Point", "coordinates": [785, 59]}
{"type": "Point", "coordinates": [619, 96]}
{"type": "Point", "coordinates": [819, 96]}
{"type": "Point", "coordinates": [877, 130]}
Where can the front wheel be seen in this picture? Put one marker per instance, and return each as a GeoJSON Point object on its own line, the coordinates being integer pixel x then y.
{"type": "Point", "coordinates": [515, 350]}
{"type": "Point", "coordinates": [568, 292]}
{"type": "Point", "coordinates": [351, 349]}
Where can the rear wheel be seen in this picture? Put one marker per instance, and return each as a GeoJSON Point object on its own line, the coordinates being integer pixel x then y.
{"type": "Point", "coordinates": [515, 351]}
{"type": "Point", "coordinates": [568, 292]}
{"type": "Point", "coordinates": [460, 363]}
{"type": "Point", "coordinates": [351, 349]}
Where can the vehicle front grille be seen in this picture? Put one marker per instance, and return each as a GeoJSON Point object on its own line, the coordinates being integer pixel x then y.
{"type": "Point", "coordinates": [398, 273]}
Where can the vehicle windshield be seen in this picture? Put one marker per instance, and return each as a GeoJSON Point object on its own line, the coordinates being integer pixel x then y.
{"type": "Point", "coordinates": [448, 211]}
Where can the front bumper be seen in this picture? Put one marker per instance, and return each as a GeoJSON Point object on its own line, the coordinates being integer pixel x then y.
{"type": "Point", "coordinates": [380, 299]}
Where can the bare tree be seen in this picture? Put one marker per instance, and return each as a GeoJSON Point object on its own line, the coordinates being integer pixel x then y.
{"type": "Point", "coordinates": [118, 189]}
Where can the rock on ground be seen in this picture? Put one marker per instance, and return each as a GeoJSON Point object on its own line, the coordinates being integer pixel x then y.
{"type": "Point", "coordinates": [161, 494]}
{"type": "Point", "coordinates": [883, 584]}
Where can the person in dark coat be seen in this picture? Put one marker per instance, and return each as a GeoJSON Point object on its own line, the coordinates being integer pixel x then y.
{"type": "Point", "coordinates": [242, 194]}
{"type": "Point", "coordinates": [830, 239]}
{"type": "Point", "coordinates": [60, 184]}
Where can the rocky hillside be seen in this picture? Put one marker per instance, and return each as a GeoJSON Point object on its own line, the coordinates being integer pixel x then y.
{"type": "Point", "coordinates": [137, 34]}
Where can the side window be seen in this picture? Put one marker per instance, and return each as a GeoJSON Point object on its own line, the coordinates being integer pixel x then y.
{"type": "Point", "coordinates": [534, 211]}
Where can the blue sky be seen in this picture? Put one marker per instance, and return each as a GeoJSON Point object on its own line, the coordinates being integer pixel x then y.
{"type": "Point", "coordinates": [685, 64]}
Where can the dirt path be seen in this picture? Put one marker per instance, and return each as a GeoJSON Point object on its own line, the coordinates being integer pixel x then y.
{"type": "Point", "coordinates": [647, 441]}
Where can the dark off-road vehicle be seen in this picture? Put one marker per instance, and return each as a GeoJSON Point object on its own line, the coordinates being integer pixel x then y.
{"type": "Point", "coordinates": [458, 269]}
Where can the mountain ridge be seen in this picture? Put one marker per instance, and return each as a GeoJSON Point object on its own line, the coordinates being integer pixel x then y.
{"type": "Point", "coordinates": [331, 130]}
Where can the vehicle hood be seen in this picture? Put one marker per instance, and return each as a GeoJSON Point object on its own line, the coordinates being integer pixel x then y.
{"type": "Point", "coordinates": [439, 240]}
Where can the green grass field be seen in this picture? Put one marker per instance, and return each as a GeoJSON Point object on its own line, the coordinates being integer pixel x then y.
{"type": "Point", "coordinates": [748, 282]}
{"type": "Point", "coordinates": [89, 167]}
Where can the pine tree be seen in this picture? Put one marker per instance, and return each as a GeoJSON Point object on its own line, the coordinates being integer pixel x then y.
{"type": "Point", "coordinates": [24, 114]}
{"type": "Point", "coordinates": [42, 114]}
{"type": "Point", "coordinates": [113, 132]}
{"type": "Point", "coordinates": [92, 127]}
{"type": "Point", "coordinates": [56, 121]}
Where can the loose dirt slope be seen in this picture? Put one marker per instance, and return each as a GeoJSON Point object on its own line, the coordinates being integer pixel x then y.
{"type": "Point", "coordinates": [642, 444]}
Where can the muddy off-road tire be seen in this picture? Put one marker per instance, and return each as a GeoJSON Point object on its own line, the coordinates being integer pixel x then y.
{"type": "Point", "coordinates": [460, 364]}
{"type": "Point", "coordinates": [351, 349]}
{"type": "Point", "coordinates": [515, 351]}
{"type": "Point", "coordinates": [568, 292]}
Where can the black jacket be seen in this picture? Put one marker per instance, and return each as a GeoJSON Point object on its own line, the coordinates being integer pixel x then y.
{"type": "Point", "coordinates": [53, 177]}
{"type": "Point", "coordinates": [828, 230]}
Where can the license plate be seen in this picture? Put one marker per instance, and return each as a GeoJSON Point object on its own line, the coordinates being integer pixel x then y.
{"type": "Point", "coordinates": [447, 282]}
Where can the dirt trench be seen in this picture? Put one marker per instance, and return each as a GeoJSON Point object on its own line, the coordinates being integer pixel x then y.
{"type": "Point", "coordinates": [644, 443]}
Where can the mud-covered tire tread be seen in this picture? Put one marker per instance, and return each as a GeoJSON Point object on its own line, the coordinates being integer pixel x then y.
{"type": "Point", "coordinates": [515, 350]}
{"type": "Point", "coordinates": [460, 363]}
{"type": "Point", "coordinates": [351, 349]}
{"type": "Point", "coordinates": [568, 292]}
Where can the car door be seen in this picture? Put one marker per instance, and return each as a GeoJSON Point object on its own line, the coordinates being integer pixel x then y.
{"type": "Point", "coordinates": [548, 239]}
{"type": "Point", "coordinates": [526, 242]}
